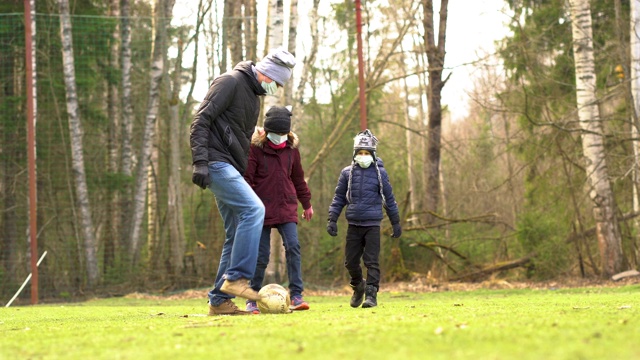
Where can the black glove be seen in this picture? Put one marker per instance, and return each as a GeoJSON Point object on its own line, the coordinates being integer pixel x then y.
{"type": "Point", "coordinates": [397, 230]}
{"type": "Point", "coordinates": [200, 175]}
{"type": "Point", "coordinates": [332, 228]}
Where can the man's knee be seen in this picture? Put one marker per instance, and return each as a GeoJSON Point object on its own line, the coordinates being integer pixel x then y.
{"type": "Point", "coordinates": [258, 209]}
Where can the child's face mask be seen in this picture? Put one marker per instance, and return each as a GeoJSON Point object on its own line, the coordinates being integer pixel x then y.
{"type": "Point", "coordinates": [277, 139]}
{"type": "Point", "coordinates": [270, 88]}
{"type": "Point", "coordinates": [364, 160]}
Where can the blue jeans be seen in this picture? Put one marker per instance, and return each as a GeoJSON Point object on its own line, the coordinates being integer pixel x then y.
{"type": "Point", "coordinates": [242, 212]}
{"type": "Point", "coordinates": [289, 233]}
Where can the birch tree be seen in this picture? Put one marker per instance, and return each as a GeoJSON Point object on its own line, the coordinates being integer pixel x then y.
{"type": "Point", "coordinates": [174, 195]}
{"type": "Point", "coordinates": [113, 213]}
{"type": "Point", "coordinates": [155, 74]}
{"type": "Point", "coordinates": [635, 97]}
{"type": "Point", "coordinates": [293, 32]}
{"type": "Point", "coordinates": [127, 120]}
{"type": "Point", "coordinates": [435, 55]}
{"type": "Point", "coordinates": [75, 135]}
{"type": "Point", "coordinates": [600, 191]}
{"type": "Point", "coordinates": [275, 38]}
{"type": "Point", "coordinates": [127, 107]}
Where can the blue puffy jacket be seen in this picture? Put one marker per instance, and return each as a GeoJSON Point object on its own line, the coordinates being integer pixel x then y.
{"type": "Point", "coordinates": [363, 199]}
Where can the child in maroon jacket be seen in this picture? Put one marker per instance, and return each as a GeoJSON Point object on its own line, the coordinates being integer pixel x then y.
{"type": "Point", "coordinates": [275, 173]}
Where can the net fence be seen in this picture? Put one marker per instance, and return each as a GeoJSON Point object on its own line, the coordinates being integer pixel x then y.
{"type": "Point", "coordinates": [97, 71]}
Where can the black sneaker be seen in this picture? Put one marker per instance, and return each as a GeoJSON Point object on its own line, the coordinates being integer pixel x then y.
{"type": "Point", "coordinates": [358, 294]}
{"type": "Point", "coordinates": [371, 297]}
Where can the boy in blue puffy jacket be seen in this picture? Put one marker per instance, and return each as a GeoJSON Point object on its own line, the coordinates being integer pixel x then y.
{"type": "Point", "coordinates": [364, 189]}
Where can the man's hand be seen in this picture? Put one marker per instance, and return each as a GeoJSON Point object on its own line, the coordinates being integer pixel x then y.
{"type": "Point", "coordinates": [308, 213]}
{"type": "Point", "coordinates": [200, 175]}
{"type": "Point", "coordinates": [332, 228]}
{"type": "Point", "coordinates": [397, 230]}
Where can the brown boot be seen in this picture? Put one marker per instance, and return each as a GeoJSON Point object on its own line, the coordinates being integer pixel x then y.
{"type": "Point", "coordinates": [226, 308]}
{"type": "Point", "coordinates": [240, 288]}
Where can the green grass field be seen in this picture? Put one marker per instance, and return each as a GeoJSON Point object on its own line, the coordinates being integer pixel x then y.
{"type": "Point", "coordinates": [582, 323]}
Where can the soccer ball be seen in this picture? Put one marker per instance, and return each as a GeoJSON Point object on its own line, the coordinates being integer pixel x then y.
{"type": "Point", "coordinates": [275, 300]}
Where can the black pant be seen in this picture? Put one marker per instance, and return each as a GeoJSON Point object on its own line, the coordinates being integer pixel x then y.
{"type": "Point", "coordinates": [363, 242]}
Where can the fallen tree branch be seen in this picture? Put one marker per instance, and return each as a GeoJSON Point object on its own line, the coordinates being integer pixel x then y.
{"type": "Point", "coordinates": [507, 265]}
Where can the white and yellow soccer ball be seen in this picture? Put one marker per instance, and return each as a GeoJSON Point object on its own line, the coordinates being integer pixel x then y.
{"type": "Point", "coordinates": [275, 300]}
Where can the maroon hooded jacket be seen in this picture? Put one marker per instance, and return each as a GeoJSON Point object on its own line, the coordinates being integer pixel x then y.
{"type": "Point", "coordinates": [277, 178]}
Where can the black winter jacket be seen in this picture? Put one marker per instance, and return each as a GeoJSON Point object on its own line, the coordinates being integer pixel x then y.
{"type": "Point", "coordinates": [225, 121]}
{"type": "Point", "coordinates": [364, 207]}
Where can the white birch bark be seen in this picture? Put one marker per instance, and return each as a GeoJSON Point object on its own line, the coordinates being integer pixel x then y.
{"type": "Point", "coordinates": [634, 39]}
{"type": "Point", "coordinates": [152, 189]}
{"type": "Point", "coordinates": [141, 186]}
{"type": "Point", "coordinates": [127, 107]}
{"type": "Point", "coordinates": [153, 242]}
{"type": "Point", "coordinates": [293, 32]}
{"type": "Point", "coordinates": [600, 192]}
{"type": "Point", "coordinates": [113, 100]}
{"type": "Point", "coordinates": [112, 97]}
{"type": "Point", "coordinates": [75, 135]}
{"type": "Point", "coordinates": [174, 196]}
{"type": "Point", "coordinates": [275, 38]}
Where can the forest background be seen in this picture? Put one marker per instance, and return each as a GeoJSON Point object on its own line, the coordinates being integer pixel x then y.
{"type": "Point", "coordinates": [511, 190]}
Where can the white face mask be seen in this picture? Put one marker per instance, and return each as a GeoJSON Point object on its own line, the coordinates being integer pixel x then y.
{"type": "Point", "coordinates": [364, 160]}
{"type": "Point", "coordinates": [277, 139]}
{"type": "Point", "coordinates": [270, 88]}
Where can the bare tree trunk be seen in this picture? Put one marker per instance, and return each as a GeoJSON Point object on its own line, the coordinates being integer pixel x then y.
{"type": "Point", "coordinates": [75, 134]}
{"type": "Point", "coordinates": [604, 207]}
{"type": "Point", "coordinates": [174, 195]}
{"type": "Point", "coordinates": [293, 28]}
{"type": "Point", "coordinates": [127, 107]}
{"type": "Point", "coordinates": [155, 75]}
{"type": "Point", "coordinates": [153, 241]}
{"type": "Point", "coordinates": [422, 85]}
{"type": "Point", "coordinates": [251, 29]}
{"type": "Point", "coordinates": [113, 211]}
{"type": "Point", "coordinates": [226, 15]}
{"type": "Point", "coordinates": [126, 126]}
{"type": "Point", "coordinates": [435, 54]}
{"type": "Point", "coordinates": [635, 97]}
{"type": "Point", "coordinates": [234, 31]}
{"type": "Point", "coordinates": [211, 36]}
{"type": "Point", "coordinates": [275, 38]}
{"type": "Point", "coordinates": [408, 143]}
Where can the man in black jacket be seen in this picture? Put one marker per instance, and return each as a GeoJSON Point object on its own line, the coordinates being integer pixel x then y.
{"type": "Point", "coordinates": [220, 139]}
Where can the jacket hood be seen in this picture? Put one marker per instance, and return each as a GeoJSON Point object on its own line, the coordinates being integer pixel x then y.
{"type": "Point", "coordinates": [246, 67]}
{"type": "Point", "coordinates": [259, 138]}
